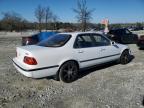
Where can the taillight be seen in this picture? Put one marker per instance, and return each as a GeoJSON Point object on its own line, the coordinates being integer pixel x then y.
{"type": "Point", "coordinates": [30, 60]}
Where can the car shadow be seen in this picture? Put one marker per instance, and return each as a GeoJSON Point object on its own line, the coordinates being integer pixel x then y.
{"type": "Point", "coordinates": [84, 72]}
{"type": "Point", "coordinates": [131, 58]}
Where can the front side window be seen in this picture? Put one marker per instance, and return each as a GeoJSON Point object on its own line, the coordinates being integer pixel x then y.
{"type": "Point", "coordinates": [101, 40]}
{"type": "Point", "coordinates": [57, 40]}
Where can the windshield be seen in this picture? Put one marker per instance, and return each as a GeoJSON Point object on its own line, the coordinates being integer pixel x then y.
{"type": "Point", "coordinates": [127, 32]}
{"type": "Point", "coordinates": [55, 40]}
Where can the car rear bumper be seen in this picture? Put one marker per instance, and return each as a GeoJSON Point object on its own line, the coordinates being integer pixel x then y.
{"type": "Point", "coordinates": [37, 72]}
{"type": "Point", "coordinates": [140, 43]}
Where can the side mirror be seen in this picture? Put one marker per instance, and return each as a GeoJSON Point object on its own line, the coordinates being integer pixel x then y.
{"type": "Point", "coordinates": [113, 43]}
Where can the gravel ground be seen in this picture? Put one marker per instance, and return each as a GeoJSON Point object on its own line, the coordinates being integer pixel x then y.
{"type": "Point", "coordinates": [108, 86]}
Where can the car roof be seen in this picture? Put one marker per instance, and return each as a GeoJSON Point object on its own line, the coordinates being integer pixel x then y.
{"type": "Point", "coordinates": [78, 33]}
{"type": "Point", "coordinates": [118, 29]}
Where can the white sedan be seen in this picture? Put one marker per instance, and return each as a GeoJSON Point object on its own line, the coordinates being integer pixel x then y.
{"type": "Point", "coordinates": [64, 54]}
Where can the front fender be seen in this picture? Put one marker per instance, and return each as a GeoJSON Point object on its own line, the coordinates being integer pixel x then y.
{"type": "Point", "coordinates": [123, 48]}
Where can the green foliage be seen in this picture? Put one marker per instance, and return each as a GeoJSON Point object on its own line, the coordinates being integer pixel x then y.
{"type": "Point", "coordinates": [12, 21]}
{"type": "Point", "coordinates": [139, 25]}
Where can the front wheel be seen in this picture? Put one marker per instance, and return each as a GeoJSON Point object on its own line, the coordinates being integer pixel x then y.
{"type": "Point", "coordinates": [68, 72]}
{"type": "Point", "coordinates": [125, 57]}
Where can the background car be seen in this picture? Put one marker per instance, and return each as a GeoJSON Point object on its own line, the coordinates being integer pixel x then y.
{"type": "Point", "coordinates": [140, 42]}
{"type": "Point", "coordinates": [137, 28]}
{"type": "Point", "coordinates": [123, 36]}
{"type": "Point", "coordinates": [64, 54]}
{"type": "Point", "coordinates": [34, 39]}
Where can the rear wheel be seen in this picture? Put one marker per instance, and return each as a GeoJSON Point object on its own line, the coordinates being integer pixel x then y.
{"type": "Point", "coordinates": [68, 72]}
{"type": "Point", "coordinates": [125, 57]}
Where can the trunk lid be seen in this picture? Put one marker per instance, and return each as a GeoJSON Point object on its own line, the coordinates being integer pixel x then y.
{"type": "Point", "coordinates": [32, 51]}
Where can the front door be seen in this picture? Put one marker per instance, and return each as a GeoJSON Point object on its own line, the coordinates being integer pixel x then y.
{"type": "Point", "coordinates": [107, 51]}
{"type": "Point", "coordinates": [92, 49]}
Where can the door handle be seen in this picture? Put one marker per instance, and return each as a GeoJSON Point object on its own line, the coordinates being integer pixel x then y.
{"type": "Point", "coordinates": [80, 51]}
{"type": "Point", "coordinates": [103, 49]}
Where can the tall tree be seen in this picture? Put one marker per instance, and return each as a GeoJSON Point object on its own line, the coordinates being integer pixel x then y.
{"type": "Point", "coordinates": [83, 14]}
{"type": "Point", "coordinates": [139, 25]}
{"type": "Point", "coordinates": [40, 15]}
{"type": "Point", "coordinates": [48, 16]}
{"type": "Point", "coordinates": [11, 21]}
{"type": "Point", "coordinates": [55, 21]}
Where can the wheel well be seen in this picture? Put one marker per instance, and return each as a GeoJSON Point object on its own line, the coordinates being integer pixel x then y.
{"type": "Point", "coordinates": [126, 50]}
{"type": "Point", "coordinates": [68, 61]}
{"type": "Point", "coordinates": [57, 74]}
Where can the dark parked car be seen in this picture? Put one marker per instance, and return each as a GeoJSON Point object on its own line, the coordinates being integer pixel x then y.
{"type": "Point", "coordinates": [137, 28]}
{"type": "Point", "coordinates": [30, 40]}
{"type": "Point", "coordinates": [123, 36]}
{"type": "Point", "coordinates": [140, 42]}
{"type": "Point", "coordinates": [34, 39]}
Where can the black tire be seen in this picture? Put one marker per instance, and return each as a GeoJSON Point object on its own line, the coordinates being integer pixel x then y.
{"type": "Point", "coordinates": [125, 57]}
{"type": "Point", "coordinates": [68, 72]}
{"type": "Point", "coordinates": [56, 77]}
{"type": "Point", "coordinates": [140, 48]}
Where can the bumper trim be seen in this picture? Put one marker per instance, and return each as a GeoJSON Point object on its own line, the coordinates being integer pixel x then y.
{"type": "Point", "coordinates": [99, 58]}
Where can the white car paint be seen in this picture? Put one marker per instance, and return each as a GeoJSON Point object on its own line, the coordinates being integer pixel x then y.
{"type": "Point", "coordinates": [50, 59]}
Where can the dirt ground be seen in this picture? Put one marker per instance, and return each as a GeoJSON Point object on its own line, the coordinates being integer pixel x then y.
{"type": "Point", "coordinates": [108, 86]}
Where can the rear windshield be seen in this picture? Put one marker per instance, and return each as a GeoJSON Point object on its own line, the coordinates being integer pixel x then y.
{"type": "Point", "coordinates": [57, 40]}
